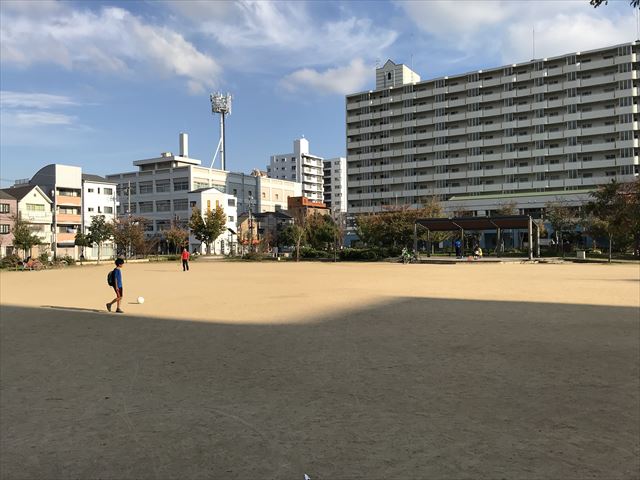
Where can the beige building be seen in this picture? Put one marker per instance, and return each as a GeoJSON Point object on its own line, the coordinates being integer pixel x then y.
{"type": "Point", "coordinates": [529, 132]}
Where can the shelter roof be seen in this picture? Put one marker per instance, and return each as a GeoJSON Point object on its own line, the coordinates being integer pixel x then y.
{"type": "Point", "coordinates": [474, 223]}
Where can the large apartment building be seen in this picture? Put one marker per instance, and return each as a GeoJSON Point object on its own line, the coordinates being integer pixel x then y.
{"type": "Point", "coordinates": [335, 184]}
{"type": "Point", "coordinates": [300, 166]}
{"type": "Point", "coordinates": [159, 190]}
{"type": "Point", "coordinates": [548, 129]}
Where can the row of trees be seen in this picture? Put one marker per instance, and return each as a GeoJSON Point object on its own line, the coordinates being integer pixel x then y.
{"type": "Point", "coordinates": [613, 214]}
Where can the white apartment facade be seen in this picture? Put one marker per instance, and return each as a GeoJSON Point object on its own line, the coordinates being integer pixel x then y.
{"type": "Point", "coordinates": [335, 184]}
{"type": "Point", "coordinates": [206, 199]}
{"type": "Point", "coordinates": [98, 198]}
{"type": "Point", "coordinates": [548, 129]}
{"type": "Point", "coordinates": [300, 166]}
{"type": "Point", "coordinates": [159, 190]}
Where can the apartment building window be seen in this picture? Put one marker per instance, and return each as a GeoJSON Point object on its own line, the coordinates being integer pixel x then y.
{"type": "Point", "coordinates": [624, 68]}
{"type": "Point", "coordinates": [163, 225]}
{"type": "Point", "coordinates": [626, 118]}
{"type": "Point", "coordinates": [573, 108]}
{"type": "Point", "coordinates": [180, 204]}
{"type": "Point", "coordinates": [572, 157]}
{"type": "Point", "coordinates": [90, 190]}
{"type": "Point", "coordinates": [473, 92]}
{"type": "Point", "coordinates": [624, 50]}
{"type": "Point", "coordinates": [475, 151]}
{"type": "Point", "coordinates": [572, 141]}
{"type": "Point", "coordinates": [4, 208]}
{"type": "Point", "coordinates": [180, 184]}
{"type": "Point", "coordinates": [540, 176]}
{"type": "Point", "coordinates": [108, 191]}
{"type": "Point", "coordinates": [4, 229]}
{"type": "Point", "coordinates": [145, 187]}
{"type": "Point", "coordinates": [34, 207]}
{"type": "Point", "coordinates": [538, 82]}
{"type": "Point", "coordinates": [539, 128]}
{"type": "Point", "coordinates": [108, 210]}
{"type": "Point", "coordinates": [625, 170]}
{"type": "Point", "coordinates": [473, 122]}
{"type": "Point", "coordinates": [507, 87]}
{"type": "Point", "coordinates": [474, 136]}
{"type": "Point", "coordinates": [509, 147]}
{"type": "Point", "coordinates": [539, 145]}
{"type": "Point", "coordinates": [539, 161]}
{"type": "Point", "coordinates": [145, 207]}
{"type": "Point", "coordinates": [508, 102]}
{"type": "Point", "coordinates": [571, 76]}
{"type": "Point", "coordinates": [572, 92]}
{"type": "Point", "coordinates": [572, 125]}
{"type": "Point", "coordinates": [540, 113]}
{"type": "Point", "coordinates": [626, 101]}
{"type": "Point", "coordinates": [508, 132]}
{"type": "Point", "coordinates": [625, 84]}
{"type": "Point", "coordinates": [626, 152]}
{"type": "Point", "coordinates": [626, 135]}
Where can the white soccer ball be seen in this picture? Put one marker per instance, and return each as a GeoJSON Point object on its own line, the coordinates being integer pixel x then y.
{"type": "Point", "coordinates": [141, 300]}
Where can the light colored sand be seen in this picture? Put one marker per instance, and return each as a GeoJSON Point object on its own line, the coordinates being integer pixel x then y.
{"type": "Point", "coordinates": [341, 371]}
{"type": "Point", "coordinates": [289, 292]}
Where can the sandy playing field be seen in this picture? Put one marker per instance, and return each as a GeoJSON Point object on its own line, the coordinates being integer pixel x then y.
{"type": "Point", "coordinates": [341, 371]}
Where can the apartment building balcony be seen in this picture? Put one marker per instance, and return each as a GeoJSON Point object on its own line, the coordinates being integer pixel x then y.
{"type": "Point", "coordinates": [597, 98]}
{"type": "Point", "coordinates": [68, 200]}
{"type": "Point", "coordinates": [593, 65]}
{"type": "Point", "coordinates": [68, 218]}
{"type": "Point", "coordinates": [601, 113]}
{"type": "Point", "coordinates": [65, 238]}
{"type": "Point", "coordinates": [598, 80]}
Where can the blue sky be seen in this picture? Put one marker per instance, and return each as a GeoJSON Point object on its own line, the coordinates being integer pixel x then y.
{"type": "Point", "coordinates": [101, 84]}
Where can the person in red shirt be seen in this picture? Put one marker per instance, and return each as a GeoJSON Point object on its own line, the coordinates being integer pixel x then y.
{"type": "Point", "coordinates": [185, 260]}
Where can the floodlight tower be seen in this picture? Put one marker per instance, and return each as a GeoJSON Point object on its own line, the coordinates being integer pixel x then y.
{"type": "Point", "coordinates": [220, 103]}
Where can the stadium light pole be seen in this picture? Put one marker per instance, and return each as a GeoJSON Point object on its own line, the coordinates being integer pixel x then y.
{"type": "Point", "coordinates": [221, 103]}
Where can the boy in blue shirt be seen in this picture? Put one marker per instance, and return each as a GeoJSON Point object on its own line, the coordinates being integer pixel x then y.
{"type": "Point", "coordinates": [117, 286]}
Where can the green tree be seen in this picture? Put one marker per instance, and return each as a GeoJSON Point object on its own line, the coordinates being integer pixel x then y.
{"type": "Point", "coordinates": [395, 228]}
{"type": "Point", "coordinates": [99, 232]}
{"type": "Point", "coordinates": [23, 236]}
{"type": "Point", "coordinates": [82, 241]}
{"type": "Point", "coordinates": [615, 207]}
{"type": "Point", "coordinates": [128, 236]}
{"type": "Point", "coordinates": [562, 219]}
{"type": "Point", "coordinates": [207, 229]}
{"type": "Point", "coordinates": [321, 231]}
{"type": "Point", "coordinates": [177, 237]}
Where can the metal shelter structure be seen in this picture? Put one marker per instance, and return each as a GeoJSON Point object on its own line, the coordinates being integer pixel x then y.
{"type": "Point", "coordinates": [479, 224]}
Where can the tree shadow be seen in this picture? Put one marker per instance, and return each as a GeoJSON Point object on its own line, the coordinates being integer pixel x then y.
{"type": "Point", "coordinates": [413, 388]}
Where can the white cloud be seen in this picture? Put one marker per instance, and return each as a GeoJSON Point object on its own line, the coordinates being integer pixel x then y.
{"type": "Point", "coordinates": [112, 40]}
{"type": "Point", "coordinates": [20, 110]}
{"type": "Point", "coordinates": [340, 80]}
{"type": "Point", "coordinates": [27, 119]}
{"type": "Point", "coordinates": [10, 99]}
{"type": "Point", "coordinates": [504, 28]}
{"type": "Point", "coordinates": [284, 29]}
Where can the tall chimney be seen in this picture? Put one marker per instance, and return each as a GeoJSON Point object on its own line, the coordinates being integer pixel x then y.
{"type": "Point", "coordinates": [184, 145]}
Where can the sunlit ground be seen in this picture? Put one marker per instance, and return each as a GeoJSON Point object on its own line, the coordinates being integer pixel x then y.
{"type": "Point", "coordinates": [273, 370]}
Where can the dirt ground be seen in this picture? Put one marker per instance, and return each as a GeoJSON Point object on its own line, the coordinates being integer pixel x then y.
{"type": "Point", "coordinates": [340, 371]}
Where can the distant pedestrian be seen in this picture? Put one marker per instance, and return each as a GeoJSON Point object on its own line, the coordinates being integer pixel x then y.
{"type": "Point", "coordinates": [114, 279]}
{"type": "Point", "coordinates": [458, 245]}
{"type": "Point", "coordinates": [185, 259]}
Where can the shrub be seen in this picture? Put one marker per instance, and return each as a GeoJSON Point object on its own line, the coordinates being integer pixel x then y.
{"type": "Point", "coordinates": [355, 254]}
{"type": "Point", "coordinates": [308, 252]}
{"type": "Point", "coordinates": [44, 258]}
{"type": "Point", "coordinates": [10, 261]}
{"type": "Point", "coordinates": [253, 256]}
{"type": "Point", "coordinates": [68, 260]}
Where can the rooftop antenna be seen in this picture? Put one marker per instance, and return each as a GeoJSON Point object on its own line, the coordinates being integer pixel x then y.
{"type": "Point", "coordinates": [220, 103]}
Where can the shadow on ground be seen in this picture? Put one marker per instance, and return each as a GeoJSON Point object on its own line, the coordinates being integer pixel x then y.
{"type": "Point", "coordinates": [416, 388]}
